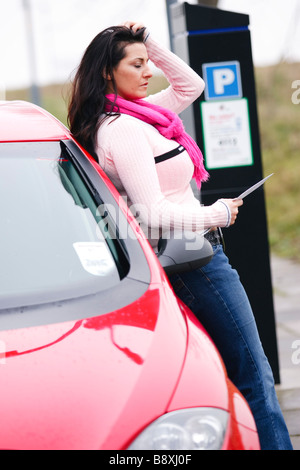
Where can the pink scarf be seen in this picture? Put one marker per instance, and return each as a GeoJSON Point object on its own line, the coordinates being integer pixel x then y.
{"type": "Point", "coordinates": [167, 123]}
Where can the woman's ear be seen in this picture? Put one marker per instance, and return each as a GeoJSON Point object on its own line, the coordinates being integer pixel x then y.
{"type": "Point", "coordinates": [106, 75]}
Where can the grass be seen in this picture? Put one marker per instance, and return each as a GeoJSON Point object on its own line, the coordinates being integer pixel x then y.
{"type": "Point", "coordinates": [280, 142]}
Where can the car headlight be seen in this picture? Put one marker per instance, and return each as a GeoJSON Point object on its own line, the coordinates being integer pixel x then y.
{"type": "Point", "coordinates": [188, 429]}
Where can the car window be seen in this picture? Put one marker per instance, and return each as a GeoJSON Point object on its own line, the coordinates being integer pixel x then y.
{"type": "Point", "coordinates": [53, 242]}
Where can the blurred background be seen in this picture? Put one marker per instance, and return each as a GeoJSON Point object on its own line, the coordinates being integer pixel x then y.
{"type": "Point", "coordinates": [42, 42]}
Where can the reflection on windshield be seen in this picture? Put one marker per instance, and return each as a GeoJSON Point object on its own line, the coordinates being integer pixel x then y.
{"type": "Point", "coordinates": [50, 247]}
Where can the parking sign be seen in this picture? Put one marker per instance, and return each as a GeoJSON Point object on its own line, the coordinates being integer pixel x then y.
{"type": "Point", "coordinates": [222, 80]}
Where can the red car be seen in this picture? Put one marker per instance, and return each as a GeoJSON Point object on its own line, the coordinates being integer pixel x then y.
{"type": "Point", "coordinates": [96, 352]}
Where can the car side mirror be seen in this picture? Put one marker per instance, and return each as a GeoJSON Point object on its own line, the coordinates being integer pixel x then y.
{"type": "Point", "coordinates": [183, 251]}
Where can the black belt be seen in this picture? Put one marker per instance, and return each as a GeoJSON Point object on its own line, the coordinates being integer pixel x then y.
{"type": "Point", "coordinates": [215, 237]}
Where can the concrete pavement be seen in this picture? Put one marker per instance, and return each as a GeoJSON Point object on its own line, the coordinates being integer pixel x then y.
{"type": "Point", "coordinates": [286, 292]}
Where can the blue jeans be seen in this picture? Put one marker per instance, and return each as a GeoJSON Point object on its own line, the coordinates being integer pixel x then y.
{"type": "Point", "coordinates": [216, 296]}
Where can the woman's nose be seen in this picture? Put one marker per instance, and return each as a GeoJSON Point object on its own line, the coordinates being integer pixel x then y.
{"type": "Point", "coordinates": [148, 72]}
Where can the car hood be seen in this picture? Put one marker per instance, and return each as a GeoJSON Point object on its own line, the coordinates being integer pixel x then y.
{"type": "Point", "coordinates": [92, 383]}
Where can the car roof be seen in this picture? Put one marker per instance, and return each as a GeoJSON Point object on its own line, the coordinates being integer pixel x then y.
{"type": "Point", "coordinates": [21, 121]}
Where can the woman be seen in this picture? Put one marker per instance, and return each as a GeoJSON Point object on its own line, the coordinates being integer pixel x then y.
{"type": "Point", "coordinates": [140, 143]}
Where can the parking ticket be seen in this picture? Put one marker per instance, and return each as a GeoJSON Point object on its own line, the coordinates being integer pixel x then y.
{"type": "Point", "coordinates": [253, 188]}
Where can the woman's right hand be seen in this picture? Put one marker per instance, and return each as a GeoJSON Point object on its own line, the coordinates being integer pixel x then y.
{"type": "Point", "coordinates": [233, 206]}
{"type": "Point", "coordinates": [135, 26]}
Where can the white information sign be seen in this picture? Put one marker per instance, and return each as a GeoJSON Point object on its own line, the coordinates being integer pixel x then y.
{"type": "Point", "coordinates": [226, 130]}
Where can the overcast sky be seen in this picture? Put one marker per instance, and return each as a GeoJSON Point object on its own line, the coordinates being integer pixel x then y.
{"type": "Point", "coordinates": [64, 28]}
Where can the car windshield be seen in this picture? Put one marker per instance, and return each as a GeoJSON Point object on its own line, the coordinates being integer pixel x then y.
{"type": "Point", "coordinates": [52, 246]}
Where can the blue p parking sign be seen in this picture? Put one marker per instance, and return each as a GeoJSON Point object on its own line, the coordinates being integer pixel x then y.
{"type": "Point", "coordinates": [222, 80]}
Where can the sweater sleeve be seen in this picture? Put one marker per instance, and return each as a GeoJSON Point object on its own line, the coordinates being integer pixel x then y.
{"type": "Point", "coordinates": [185, 84]}
{"type": "Point", "coordinates": [133, 160]}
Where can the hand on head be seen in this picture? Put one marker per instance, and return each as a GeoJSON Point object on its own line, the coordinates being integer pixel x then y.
{"type": "Point", "coordinates": [134, 26]}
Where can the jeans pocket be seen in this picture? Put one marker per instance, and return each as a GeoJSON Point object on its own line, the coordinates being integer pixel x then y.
{"type": "Point", "coordinates": [182, 291]}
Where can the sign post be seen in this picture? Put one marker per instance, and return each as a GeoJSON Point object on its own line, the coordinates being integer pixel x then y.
{"type": "Point", "coordinates": [224, 122]}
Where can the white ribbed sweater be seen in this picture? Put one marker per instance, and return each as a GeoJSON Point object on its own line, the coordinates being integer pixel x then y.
{"type": "Point", "coordinates": [159, 195]}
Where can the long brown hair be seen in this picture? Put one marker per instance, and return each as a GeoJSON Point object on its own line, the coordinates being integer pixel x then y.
{"type": "Point", "coordinates": [87, 101]}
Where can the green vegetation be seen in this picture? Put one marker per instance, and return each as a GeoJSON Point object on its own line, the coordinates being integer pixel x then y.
{"type": "Point", "coordinates": [280, 140]}
{"type": "Point", "coordinates": [279, 121]}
